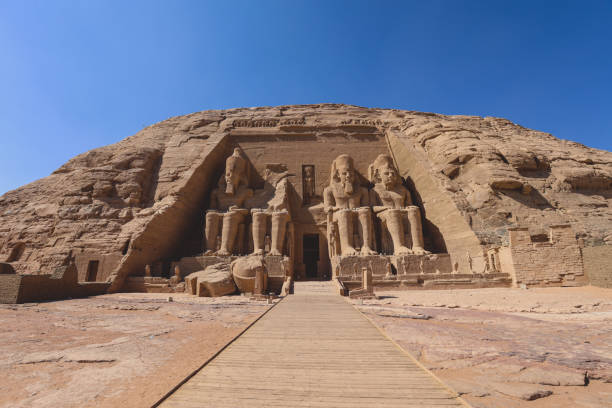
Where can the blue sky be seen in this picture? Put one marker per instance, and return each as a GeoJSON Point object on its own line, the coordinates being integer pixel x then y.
{"type": "Point", "coordinates": [75, 75]}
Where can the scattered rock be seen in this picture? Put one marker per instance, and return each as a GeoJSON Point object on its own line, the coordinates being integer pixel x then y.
{"type": "Point", "coordinates": [465, 387]}
{"type": "Point", "coordinates": [387, 312]}
{"type": "Point", "coordinates": [41, 357]}
{"type": "Point", "coordinates": [551, 376]}
{"type": "Point", "coordinates": [522, 391]}
{"type": "Point", "coordinates": [86, 356]}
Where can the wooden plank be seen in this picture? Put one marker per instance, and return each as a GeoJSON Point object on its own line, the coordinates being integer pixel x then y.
{"type": "Point", "coordinates": [312, 350]}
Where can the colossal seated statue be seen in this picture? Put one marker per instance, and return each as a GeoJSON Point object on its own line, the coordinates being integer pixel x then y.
{"type": "Point", "coordinates": [271, 203]}
{"type": "Point", "coordinates": [344, 198]}
{"type": "Point", "coordinates": [226, 204]}
{"type": "Point", "coordinates": [392, 204]}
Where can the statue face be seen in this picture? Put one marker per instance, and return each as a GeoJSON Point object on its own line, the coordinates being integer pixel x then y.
{"type": "Point", "coordinates": [388, 176]}
{"type": "Point", "coordinates": [346, 174]}
{"type": "Point", "coordinates": [231, 178]}
{"type": "Point", "coordinates": [308, 172]}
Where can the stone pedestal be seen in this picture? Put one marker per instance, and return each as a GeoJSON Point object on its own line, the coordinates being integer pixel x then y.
{"type": "Point", "coordinates": [367, 286]}
{"type": "Point", "coordinates": [350, 267]}
{"type": "Point", "coordinates": [422, 264]}
{"type": "Point", "coordinates": [278, 269]}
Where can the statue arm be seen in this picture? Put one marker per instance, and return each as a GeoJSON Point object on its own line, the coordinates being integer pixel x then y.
{"type": "Point", "coordinates": [329, 203]}
{"type": "Point", "coordinates": [407, 197]}
{"type": "Point", "coordinates": [375, 202]}
{"type": "Point", "coordinates": [365, 197]}
{"type": "Point", "coordinates": [214, 202]}
{"type": "Point", "coordinates": [241, 202]}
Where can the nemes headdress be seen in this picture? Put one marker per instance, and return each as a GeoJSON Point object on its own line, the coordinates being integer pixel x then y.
{"type": "Point", "coordinates": [239, 165]}
{"type": "Point", "coordinates": [381, 160]}
{"type": "Point", "coordinates": [334, 168]}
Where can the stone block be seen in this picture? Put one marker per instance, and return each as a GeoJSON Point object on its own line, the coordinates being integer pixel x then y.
{"type": "Point", "coordinates": [277, 266]}
{"type": "Point", "coordinates": [429, 263]}
{"type": "Point", "coordinates": [216, 280]}
{"type": "Point", "coordinates": [351, 266]}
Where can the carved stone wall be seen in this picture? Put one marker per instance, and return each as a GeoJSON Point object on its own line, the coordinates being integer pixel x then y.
{"type": "Point", "coordinates": [555, 261]}
{"type": "Point", "coordinates": [598, 265]}
{"type": "Point", "coordinates": [140, 201]}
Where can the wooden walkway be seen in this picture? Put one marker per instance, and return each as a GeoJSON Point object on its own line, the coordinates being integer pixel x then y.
{"type": "Point", "coordinates": [313, 349]}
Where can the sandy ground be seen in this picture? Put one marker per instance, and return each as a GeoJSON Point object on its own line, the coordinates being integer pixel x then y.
{"type": "Point", "coordinates": [112, 350]}
{"type": "Point", "coordinates": [499, 348]}
{"type": "Point", "coordinates": [508, 348]}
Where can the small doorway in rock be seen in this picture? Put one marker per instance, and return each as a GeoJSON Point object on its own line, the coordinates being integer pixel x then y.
{"type": "Point", "coordinates": [310, 249]}
{"type": "Point", "coordinates": [92, 271]}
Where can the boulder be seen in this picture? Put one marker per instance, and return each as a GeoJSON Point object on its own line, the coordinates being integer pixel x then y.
{"type": "Point", "coordinates": [216, 280]}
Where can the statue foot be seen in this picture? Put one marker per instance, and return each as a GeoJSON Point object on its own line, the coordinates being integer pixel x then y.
{"type": "Point", "coordinates": [350, 251]}
{"type": "Point", "coordinates": [367, 251]}
{"type": "Point", "coordinates": [258, 252]}
{"type": "Point", "coordinates": [403, 251]}
{"type": "Point", "coordinates": [209, 252]}
{"type": "Point", "coordinates": [420, 251]}
{"type": "Point", "coordinates": [275, 252]}
{"type": "Point", "coordinates": [223, 252]}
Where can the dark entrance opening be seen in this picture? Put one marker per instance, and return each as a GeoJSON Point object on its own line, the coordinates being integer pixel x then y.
{"type": "Point", "coordinates": [92, 271]}
{"type": "Point", "coordinates": [310, 250]}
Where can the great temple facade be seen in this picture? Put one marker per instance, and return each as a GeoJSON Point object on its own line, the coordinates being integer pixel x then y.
{"type": "Point", "coordinates": [252, 199]}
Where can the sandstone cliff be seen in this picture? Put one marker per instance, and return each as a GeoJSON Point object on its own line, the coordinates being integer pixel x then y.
{"type": "Point", "coordinates": [140, 200]}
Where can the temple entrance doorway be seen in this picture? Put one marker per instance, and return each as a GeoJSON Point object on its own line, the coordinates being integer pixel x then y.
{"type": "Point", "coordinates": [310, 251]}
{"type": "Point", "coordinates": [92, 271]}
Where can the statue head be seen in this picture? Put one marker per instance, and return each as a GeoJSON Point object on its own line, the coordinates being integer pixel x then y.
{"type": "Point", "coordinates": [383, 171]}
{"type": "Point", "coordinates": [343, 173]}
{"type": "Point", "coordinates": [235, 173]}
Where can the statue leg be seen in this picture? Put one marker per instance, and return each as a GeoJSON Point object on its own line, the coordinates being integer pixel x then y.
{"type": "Point", "coordinates": [279, 224]}
{"type": "Point", "coordinates": [260, 219]}
{"type": "Point", "coordinates": [211, 231]}
{"type": "Point", "coordinates": [393, 220]}
{"type": "Point", "coordinates": [344, 218]}
{"type": "Point", "coordinates": [228, 233]}
{"type": "Point", "coordinates": [416, 230]}
{"type": "Point", "coordinates": [367, 230]}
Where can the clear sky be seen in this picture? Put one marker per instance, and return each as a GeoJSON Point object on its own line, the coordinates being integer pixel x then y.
{"type": "Point", "coordinates": [75, 75]}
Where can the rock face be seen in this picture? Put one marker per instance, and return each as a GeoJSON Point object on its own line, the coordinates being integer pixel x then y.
{"type": "Point", "coordinates": [115, 209]}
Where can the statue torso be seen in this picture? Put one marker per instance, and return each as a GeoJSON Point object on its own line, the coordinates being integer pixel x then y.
{"type": "Point", "coordinates": [344, 200]}
{"type": "Point", "coordinates": [396, 197]}
{"type": "Point", "coordinates": [226, 200]}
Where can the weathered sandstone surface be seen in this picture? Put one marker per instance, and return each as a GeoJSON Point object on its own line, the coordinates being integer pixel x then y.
{"type": "Point", "coordinates": [141, 200]}
{"type": "Point", "coordinates": [502, 347]}
{"type": "Point", "coordinates": [125, 349]}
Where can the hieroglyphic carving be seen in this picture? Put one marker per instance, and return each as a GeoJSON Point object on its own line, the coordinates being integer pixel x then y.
{"type": "Point", "coordinates": [363, 122]}
{"type": "Point", "coordinates": [308, 183]}
{"type": "Point", "coordinates": [255, 123]}
{"type": "Point", "coordinates": [258, 123]}
{"type": "Point", "coordinates": [293, 122]}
